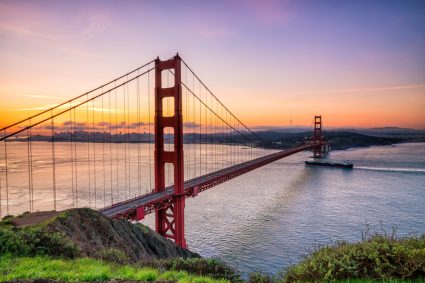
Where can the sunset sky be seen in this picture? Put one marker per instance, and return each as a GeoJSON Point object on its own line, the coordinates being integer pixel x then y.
{"type": "Point", "coordinates": [357, 63]}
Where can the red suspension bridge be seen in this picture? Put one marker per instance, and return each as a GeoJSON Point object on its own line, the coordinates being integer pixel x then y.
{"type": "Point", "coordinates": [139, 144]}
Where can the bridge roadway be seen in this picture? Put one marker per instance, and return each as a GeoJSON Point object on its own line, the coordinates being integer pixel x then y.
{"type": "Point", "coordinates": [136, 208]}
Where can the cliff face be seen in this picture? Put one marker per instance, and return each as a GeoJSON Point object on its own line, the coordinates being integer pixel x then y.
{"type": "Point", "coordinates": [95, 235]}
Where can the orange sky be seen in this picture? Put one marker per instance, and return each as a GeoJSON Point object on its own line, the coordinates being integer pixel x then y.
{"type": "Point", "coordinates": [269, 63]}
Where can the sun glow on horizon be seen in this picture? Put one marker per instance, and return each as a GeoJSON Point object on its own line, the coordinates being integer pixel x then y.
{"type": "Point", "coordinates": [270, 63]}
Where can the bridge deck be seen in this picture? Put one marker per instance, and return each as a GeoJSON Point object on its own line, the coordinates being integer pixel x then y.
{"type": "Point", "coordinates": [158, 200]}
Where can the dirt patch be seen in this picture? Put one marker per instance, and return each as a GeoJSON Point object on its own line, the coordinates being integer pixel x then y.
{"type": "Point", "coordinates": [34, 218]}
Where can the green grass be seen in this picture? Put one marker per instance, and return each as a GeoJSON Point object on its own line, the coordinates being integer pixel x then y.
{"type": "Point", "coordinates": [87, 269]}
{"type": "Point", "coordinates": [419, 280]}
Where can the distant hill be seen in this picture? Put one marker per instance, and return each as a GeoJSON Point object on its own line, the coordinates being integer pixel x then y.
{"type": "Point", "coordinates": [338, 139]}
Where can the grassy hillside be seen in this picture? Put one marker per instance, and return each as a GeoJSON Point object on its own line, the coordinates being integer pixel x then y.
{"type": "Point", "coordinates": [83, 245]}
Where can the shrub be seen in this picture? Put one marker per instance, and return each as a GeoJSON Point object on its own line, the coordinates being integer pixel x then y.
{"type": "Point", "coordinates": [113, 255]}
{"type": "Point", "coordinates": [31, 241]}
{"type": "Point", "coordinates": [258, 277]}
{"type": "Point", "coordinates": [377, 258]}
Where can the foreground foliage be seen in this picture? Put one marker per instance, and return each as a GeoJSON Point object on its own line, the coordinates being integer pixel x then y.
{"type": "Point", "coordinates": [87, 269]}
{"type": "Point", "coordinates": [33, 241]}
{"type": "Point", "coordinates": [377, 258]}
{"type": "Point", "coordinates": [34, 252]}
{"type": "Point", "coordinates": [38, 242]}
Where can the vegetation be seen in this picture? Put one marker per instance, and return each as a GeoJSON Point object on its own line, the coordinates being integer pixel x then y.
{"type": "Point", "coordinates": [87, 269]}
{"type": "Point", "coordinates": [379, 257]}
{"type": "Point", "coordinates": [36, 252]}
{"type": "Point", "coordinates": [206, 267]}
{"type": "Point", "coordinates": [32, 241]}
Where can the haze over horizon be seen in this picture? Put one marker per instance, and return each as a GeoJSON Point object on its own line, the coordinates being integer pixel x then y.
{"type": "Point", "coordinates": [358, 64]}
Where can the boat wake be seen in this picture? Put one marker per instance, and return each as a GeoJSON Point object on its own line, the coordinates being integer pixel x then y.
{"type": "Point", "coordinates": [399, 170]}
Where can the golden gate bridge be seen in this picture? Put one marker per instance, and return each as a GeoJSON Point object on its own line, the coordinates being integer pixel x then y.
{"type": "Point", "coordinates": [139, 144]}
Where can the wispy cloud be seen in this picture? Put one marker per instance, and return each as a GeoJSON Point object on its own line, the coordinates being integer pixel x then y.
{"type": "Point", "coordinates": [44, 107]}
{"type": "Point", "coordinates": [23, 32]}
{"type": "Point", "coordinates": [38, 96]}
{"type": "Point", "coordinates": [359, 90]}
{"type": "Point", "coordinates": [32, 24]}
{"type": "Point", "coordinates": [82, 108]}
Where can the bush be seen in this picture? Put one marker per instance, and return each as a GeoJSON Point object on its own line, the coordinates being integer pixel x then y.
{"type": "Point", "coordinates": [113, 255]}
{"type": "Point", "coordinates": [377, 258]}
{"type": "Point", "coordinates": [258, 277]}
{"type": "Point", "coordinates": [32, 241]}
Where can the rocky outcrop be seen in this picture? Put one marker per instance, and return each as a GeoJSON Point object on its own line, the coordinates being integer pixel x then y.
{"type": "Point", "coordinates": [97, 236]}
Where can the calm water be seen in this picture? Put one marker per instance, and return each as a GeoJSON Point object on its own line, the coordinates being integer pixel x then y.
{"type": "Point", "coordinates": [261, 221]}
{"type": "Point", "coordinates": [267, 219]}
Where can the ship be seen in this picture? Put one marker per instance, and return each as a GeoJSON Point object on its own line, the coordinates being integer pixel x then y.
{"type": "Point", "coordinates": [345, 164]}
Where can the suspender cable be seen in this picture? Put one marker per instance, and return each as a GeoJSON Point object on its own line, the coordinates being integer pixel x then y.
{"type": "Point", "coordinates": [110, 147]}
{"type": "Point", "coordinates": [88, 152]}
{"type": "Point", "coordinates": [116, 143]}
{"type": "Point", "coordinates": [149, 132]}
{"type": "Point", "coordinates": [103, 155]}
{"type": "Point", "coordinates": [75, 160]}
{"type": "Point", "coordinates": [72, 157]}
{"type": "Point", "coordinates": [29, 169]}
{"type": "Point", "coordinates": [78, 97]}
{"type": "Point", "coordinates": [94, 157]}
{"type": "Point", "coordinates": [125, 142]}
{"type": "Point", "coordinates": [6, 173]}
{"type": "Point", "coordinates": [138, 139]}
{"type": "Point", "coordinates": [128, 137]}
{"type": "Point", "coordinates": [53, 163]}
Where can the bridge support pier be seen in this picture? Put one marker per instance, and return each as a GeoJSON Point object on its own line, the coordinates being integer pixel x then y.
{"type": "Point", "coordinates": [169, 221]}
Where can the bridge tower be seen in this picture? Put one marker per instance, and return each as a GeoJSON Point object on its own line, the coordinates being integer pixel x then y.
{"type": "Point", "coordinates": [317, 137]}
{"type": "Point", "coordinates": [169, 221]}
